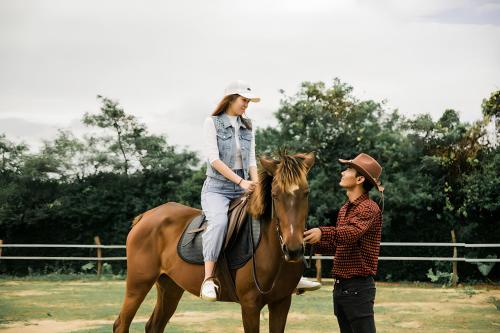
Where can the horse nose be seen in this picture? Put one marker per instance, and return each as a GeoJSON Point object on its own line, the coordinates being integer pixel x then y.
{"type": "Point", "coordinates": [293, 255]}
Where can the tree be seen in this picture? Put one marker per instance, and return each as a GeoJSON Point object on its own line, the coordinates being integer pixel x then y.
{"type": "Point", "coordinates": [333, 124]}
{"type": "Point", "coordinates": [449, 153]}
{"type": "Point", "coordinates": [138, 149]}
{"type": "Point", "coordinates": [427, 167]}
{"type": "Point", "coordinates": [11, 155]}
{"type": "Point", "coordinates": [125, 127]}
{"type": "Point", "coordinates": [68, 153]}
{"type": "Point", "coordinates": [491, 110]}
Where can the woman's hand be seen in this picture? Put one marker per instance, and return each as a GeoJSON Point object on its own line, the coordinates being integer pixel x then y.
{"type": "Point", "coordinates": [248, 185]}
{"type": "Point", "coordinates": [312, 236]}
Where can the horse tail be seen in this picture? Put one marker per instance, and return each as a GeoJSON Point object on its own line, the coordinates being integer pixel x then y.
{"type": "Point", "coordinates": [136, 220]}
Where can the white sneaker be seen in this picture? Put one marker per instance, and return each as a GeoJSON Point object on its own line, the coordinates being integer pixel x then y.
{"type": "Point", "coordinates": [307, 285]}
{"type": "Point", "coordinates": [208, 290]}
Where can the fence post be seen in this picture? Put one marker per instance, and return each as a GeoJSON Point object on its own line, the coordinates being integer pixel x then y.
{"type": "Point", "coordinates": [454, 278]}
{"type": "Point", "coordinates": [1, 243]}
{"type": "Point", "coordinates": [97, 241]}
{"type": "Point", "coordinates": [318, 268]}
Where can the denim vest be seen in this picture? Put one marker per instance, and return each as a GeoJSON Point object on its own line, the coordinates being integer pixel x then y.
{"type": "Point", "coordinates": [226, 143]}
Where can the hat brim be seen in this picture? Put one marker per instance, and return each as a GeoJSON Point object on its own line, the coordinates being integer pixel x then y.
{"type": "Point", "coordinates": [365, 174]}
{"type": "Point", "coordinates": [251, 97]}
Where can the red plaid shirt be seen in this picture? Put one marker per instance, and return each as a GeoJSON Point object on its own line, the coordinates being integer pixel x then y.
{"type": "Point", "coordinates": [355, 240]}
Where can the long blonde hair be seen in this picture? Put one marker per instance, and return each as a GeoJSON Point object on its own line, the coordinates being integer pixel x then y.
{"type": "Point", "coordinates": [224, 105]}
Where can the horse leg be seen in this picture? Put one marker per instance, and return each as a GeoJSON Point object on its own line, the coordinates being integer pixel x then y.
{"type": "Point", "coordinates": [251, 318]}
{"type": "Point", "coordinates": [168, 297]}
{"type": "Point", "coordinates": [278, 312]}
{"type": "Point", "coordinates": [136, 290]}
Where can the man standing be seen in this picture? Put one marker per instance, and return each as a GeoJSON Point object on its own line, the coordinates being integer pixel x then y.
{"type": "Point", "coordinates": [355, 242]}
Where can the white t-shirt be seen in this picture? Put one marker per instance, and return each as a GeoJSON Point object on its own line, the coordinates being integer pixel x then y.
{"type": "Point", "coordinates": [212, 150]}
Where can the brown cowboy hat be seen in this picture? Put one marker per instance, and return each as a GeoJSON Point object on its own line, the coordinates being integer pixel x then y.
{"type": "Point", "coordinates": [368, 167]}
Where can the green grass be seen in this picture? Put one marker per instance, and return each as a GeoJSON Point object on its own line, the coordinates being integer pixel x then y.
{"type": "Point", "coordinates": [38, 305]}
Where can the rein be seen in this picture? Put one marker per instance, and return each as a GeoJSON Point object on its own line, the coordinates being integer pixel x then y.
{"type": "Point", "coordinates": [307, 262]}
{"type": "Point", "coordinates": [254, 270]}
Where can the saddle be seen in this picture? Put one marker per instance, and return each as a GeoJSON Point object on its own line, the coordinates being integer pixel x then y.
{"type": "Point", "coordinates": [237, 248]}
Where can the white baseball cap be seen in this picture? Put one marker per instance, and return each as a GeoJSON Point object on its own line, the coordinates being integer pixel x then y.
{"type": "Point", "coordinates": [241, 88]}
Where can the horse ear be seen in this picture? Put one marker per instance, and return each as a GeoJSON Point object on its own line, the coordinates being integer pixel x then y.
{"type": "Point", "coordinates": [269, 165]}
{"type": "Point", "coordinates": [308, 159]}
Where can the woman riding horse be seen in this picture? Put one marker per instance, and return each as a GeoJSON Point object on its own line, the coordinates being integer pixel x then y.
{"type": "Point", "coordinates": [231, 170]}
{"type": "Point", "coordinates": [278, 199]}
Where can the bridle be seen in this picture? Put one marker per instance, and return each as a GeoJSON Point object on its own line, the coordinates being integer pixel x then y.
{"type": "Point", "coordinates": [273, 214]}
{"type": "Point", "coordinates": [278, 230]}
{"type": "Point", "coordinates": [274, 217]}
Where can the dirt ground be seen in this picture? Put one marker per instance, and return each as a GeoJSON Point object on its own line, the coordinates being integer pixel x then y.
{"type": "Point", "coordinates": [81, 306]}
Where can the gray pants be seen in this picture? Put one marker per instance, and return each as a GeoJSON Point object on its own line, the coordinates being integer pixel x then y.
{"type": "Point", "coordinates": [215, 198]}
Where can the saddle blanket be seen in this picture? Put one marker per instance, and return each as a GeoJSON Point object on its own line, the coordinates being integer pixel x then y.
{"type": "Point", "coordinates": [237, 252]}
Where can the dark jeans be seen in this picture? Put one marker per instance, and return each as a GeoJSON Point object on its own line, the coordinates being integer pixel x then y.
{"type": "Point", "coordinates": [353, 304]}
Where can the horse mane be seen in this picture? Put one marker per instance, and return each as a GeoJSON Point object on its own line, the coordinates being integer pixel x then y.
{"type": "Point", "coordinates": [257, 204]}
{"type": "Point", "coordinates": [291, 170]}
{"type": "Point", "coordinates": [136, 220]}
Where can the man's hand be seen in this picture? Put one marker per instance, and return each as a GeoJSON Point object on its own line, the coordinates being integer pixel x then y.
{"type": "Point", "coordinates": [312, 236]}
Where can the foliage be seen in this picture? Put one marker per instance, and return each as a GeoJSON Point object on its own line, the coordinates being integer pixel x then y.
{"type": "Point", "coordinates": [486, 267]}
{"type": "Point", "coordinates": [491, 106]}
{"type": "Point", "coordinates": [495, 301]}
{"type": "Point", "coordinates": [12, 155]}
{"type": "Point", "coordinates": [491, 111]}
{"type": "Point", "coordinates": [470, 291]}
{"type": "Point", "coordinates": [88, 267]}
{"type": "Point", "coordinates": [74, 189]}
{"type": "Point", "coordinates": [440, 175]}
{"type": "Point", "coordinates": [443, 278]}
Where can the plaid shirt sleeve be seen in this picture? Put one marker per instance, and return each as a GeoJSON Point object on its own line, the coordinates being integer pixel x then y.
{"type": "Point", "coordinates": [326, 244]}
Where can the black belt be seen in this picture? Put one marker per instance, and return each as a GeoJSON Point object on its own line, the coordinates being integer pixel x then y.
{"type": "Point", "coordinates": [354, 278]}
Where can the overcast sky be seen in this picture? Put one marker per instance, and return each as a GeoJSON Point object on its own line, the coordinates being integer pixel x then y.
{"type": "Point", "coordinates": [167, 62]}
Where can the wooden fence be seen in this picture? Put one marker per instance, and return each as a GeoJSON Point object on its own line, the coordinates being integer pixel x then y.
{"type": "Point", "coordinates": [100, 259]}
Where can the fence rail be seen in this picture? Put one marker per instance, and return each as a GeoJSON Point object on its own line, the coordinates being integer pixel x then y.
{"type": "Point", "coordinates": [66, 245]}
{"type": "Point", "coordinates": [101, 259]}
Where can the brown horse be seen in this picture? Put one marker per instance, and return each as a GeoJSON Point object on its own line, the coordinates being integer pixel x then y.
{"type": "Point", "coordinates": [280, 201]}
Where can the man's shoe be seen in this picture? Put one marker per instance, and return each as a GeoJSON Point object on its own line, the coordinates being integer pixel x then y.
{"type": "Point", "coordinates": [307, 285]}
{"type": "Point", "coordinates": [208, 290]}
